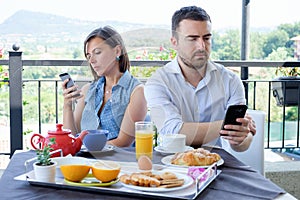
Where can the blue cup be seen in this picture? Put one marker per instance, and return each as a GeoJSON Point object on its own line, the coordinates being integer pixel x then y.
{"type": "Point", "coordinates": [95, 140]}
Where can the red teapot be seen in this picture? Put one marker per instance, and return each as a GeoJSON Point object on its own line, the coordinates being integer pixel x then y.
{"type": "Point", "coordinates": [64, 140]}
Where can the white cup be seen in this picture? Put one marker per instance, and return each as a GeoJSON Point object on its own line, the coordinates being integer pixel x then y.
{"type": "Point", "coordinates": [173, 142]}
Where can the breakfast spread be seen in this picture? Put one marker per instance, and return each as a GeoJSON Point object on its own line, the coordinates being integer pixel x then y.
{"type": "Point", "coordinates": [148, 179]}
{"type": "Point", "coordinates": [195, 157]}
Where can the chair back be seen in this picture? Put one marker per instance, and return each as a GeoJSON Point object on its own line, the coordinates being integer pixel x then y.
{"type": "Point", "coordinates": [254, 156]}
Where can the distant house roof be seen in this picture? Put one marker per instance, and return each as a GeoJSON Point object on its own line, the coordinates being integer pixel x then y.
{"type": "Point", "coordinates": [297, 38]}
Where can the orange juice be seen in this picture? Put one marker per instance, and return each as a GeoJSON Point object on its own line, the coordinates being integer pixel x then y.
{"type": "Point", "coordinates": [144, 143]}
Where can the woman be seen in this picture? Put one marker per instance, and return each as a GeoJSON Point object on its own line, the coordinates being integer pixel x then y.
{"type": "Point", "coordinates": [115, 99]}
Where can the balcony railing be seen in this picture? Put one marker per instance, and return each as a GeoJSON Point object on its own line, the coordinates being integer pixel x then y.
{"type": "Point", "coordinates": [252, 88]}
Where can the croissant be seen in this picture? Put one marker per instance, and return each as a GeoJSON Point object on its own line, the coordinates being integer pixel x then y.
{"type": "Point", "coordinates": [196, 157]}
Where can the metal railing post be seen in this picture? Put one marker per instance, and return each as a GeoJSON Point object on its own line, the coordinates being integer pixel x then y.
{"type": "Point", "coordinates": [245, 44]}
{"type": "Point", "coordinates": [15, 99]}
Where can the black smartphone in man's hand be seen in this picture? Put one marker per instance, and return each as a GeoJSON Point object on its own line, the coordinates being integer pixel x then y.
{"type": "Point", "coordinates": [233, 112]}
{"type": "Point", "coordinates": [70, 83]}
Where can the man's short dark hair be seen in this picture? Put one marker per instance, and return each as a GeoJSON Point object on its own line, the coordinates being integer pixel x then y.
{"type": "Point", "coordinates": [189, 12]}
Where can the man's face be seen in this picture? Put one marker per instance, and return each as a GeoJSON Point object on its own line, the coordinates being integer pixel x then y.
{"type": "Point", "coordinates": [193, 43]}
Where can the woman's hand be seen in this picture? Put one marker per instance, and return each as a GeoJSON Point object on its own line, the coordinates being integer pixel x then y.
{"type": "Point", "coordinates": [70, 94]}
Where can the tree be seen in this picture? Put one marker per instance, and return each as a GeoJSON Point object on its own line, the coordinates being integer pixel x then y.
{"type": "Point", "coordinates": [77, 53]}
{"type": "Point", "coordinates": [256, 42]}
{"type": "Point", "coordinates": [274, 39]}
{"type": "Point", "coordinates": [292, 30]}
{"type": "Point", "coordinates": [281, 53]}
{"type": "Point", "coordinates": [227, 46]}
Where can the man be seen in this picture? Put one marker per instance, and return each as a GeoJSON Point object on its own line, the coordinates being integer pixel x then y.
{"type": "Point", "coordinates": [190, 94]}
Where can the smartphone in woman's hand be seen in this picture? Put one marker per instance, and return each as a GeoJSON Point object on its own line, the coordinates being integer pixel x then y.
{"type": "Point", "coordinates": [70, 83]}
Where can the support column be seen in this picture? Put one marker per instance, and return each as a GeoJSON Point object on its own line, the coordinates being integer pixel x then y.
{"type": "Point", "coordinates": [245, 43]}
{"type": "Point", "coordinates": [15, 98]}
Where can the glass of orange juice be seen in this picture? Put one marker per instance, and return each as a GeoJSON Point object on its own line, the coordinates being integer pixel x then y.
{"type": "Point", "coordinates": [144, 132]}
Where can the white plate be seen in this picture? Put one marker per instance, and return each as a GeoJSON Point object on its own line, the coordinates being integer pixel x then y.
{"type": "Point", "coordinates": [187, 182]}
{"type": "Point", "coordinates": [163, 151]}
{"type": "Point", "coordinates": [91, 182]}
{"type": "Point", "coordinates": [107, 147]}
{"type": "Point", "coordinates": [167, 161]}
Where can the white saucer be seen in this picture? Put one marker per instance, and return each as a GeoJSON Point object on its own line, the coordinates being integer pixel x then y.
{"type": "Point", "coordinates": [163, 151]}
{"type": "Point", "coordinates": [107, 147]}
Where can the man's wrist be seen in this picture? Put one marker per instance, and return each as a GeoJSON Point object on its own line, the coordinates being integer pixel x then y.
{"type": "Point", "coordinates": [244, 145]}
{"type": "Point", "coordinates": [249, 135]}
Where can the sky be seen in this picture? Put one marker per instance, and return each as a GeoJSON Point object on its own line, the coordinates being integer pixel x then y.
{"type": "Point", "coordinates": [224, 13]}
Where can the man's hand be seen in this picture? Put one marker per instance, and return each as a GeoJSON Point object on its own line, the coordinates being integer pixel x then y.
{"type": "Point", "coordinates": [240, 136]}
{"type": "Point", "coordinates": [252, 125]}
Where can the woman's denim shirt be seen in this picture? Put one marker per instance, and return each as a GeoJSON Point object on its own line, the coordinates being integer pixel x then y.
{"type": "Point", "coordinates": [117, 103]}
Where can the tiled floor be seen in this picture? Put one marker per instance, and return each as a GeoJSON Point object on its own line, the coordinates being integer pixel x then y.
{"type": "Point", "coordinates": [4, 160]}
{"type": "Point", "coordinates": [271, 156]}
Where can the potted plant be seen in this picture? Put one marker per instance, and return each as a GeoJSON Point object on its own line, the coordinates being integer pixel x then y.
{"type": "Point", "coordinates": [286, 88]}
{"type": "Point", "coordinates": [45, 168]}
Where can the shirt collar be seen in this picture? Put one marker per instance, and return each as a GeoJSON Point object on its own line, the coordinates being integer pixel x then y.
{"type": "Point", "coordinates": [210, 67]}
{"type": "Point", "coordinates": [174, 67]}
{"type": "Point", "coordinates": [123, 82]}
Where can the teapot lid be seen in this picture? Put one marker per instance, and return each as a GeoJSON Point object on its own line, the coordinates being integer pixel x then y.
{"type": "Point", "coordinates": [59, 130]}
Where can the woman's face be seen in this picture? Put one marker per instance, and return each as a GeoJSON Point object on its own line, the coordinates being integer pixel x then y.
{"type": "Point", "coordinates": [101, 56]}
